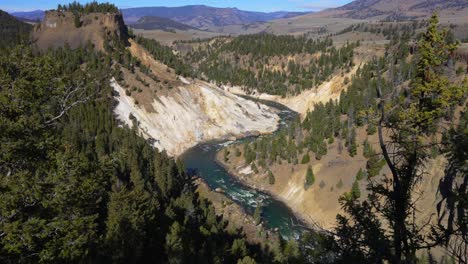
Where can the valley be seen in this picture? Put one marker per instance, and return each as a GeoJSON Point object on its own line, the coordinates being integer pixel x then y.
{"type": "Point", "coordinates": [199, 134]}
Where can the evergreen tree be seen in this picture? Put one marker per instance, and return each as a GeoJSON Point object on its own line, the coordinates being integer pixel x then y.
{"type": "Point", "coordinates": [412, 123]}
{"type": "Point", "coordinates": [374, 165]}
{"type": "Point", "coordinates": [175, 244]}
{"type": "Point", "coordinates": [246, 260]}
{"type": "Point", "coordinates": [360, 175]}
{"type": "Point", "coordinates": [271, 178]}
{"type": "Point", "coordinates": [451, 224]}
{"type": "Point", "coordinates": [78, 188]}
{"type": "Point", "coordinates": [77, 21]}
{"type": "Point", "coordinates": [305, 158]}
{"type": "Point", "coordinates": [12, 31]}
{"type": "Point", "coordinates": [355, 191]}
{"type": "Point", "coordinates": [310, 178]}
{"type": "Point", "coordinates": [352, 145]}
{"type": "Point", "coordinates": [239, 248]}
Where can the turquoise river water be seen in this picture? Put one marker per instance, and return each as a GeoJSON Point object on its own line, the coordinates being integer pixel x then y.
{"type": "Point", "coordinates": [275, 214]}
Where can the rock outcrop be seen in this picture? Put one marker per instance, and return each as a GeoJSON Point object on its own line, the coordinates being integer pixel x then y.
{"type": "Point", "coordinates": [194, 113]}
{"type": "Point", "coordinates": [173, 113]}
{"type": "Point", "coordinates": [60, 28]}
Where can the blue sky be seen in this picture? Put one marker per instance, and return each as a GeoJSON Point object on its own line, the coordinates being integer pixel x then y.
{"type": "Point", "coordinates": [251, 5]}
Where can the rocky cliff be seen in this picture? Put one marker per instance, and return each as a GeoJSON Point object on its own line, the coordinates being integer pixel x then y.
{"type": "Point", "coordinates": [60, 28]}
{"type": "Point", "coordinates": [174, 113]}
{"type": "Point", "coordinates": [190, 112]}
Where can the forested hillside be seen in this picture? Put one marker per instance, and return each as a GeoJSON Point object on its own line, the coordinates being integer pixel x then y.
{"type": "Point", "coordinates": [279, 65]}
{"type": "Point", "coordinates": [77, 187]}
{"type": "Point", "coordinates": [408, 101]}
{"type": "Point", "coordinates": [356, 108]}
{"type": "Point", "coordinates": [166, 56]}
{"type": "Point", "coordinates": [12, 31]}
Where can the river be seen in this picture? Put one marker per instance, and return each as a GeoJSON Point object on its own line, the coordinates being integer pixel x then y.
{"type": "Point", "coordinates": [275, 214]}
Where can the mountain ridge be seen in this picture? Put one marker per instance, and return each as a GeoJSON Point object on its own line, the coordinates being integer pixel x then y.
{"type": "Point", "coordinates": [30, 15]}
{"type": "Point", "coordinates": [396, 9]}
{"type": "Point", "coordinates": [201, 16]}
{"type": "Point", "coordinates": [162, 23]}
{"type": "Point", "coordinates": [198, 16]}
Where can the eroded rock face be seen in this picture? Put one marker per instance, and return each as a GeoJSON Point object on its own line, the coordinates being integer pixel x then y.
{"type": "Point", "coordinates": [194, 113]}
{"type": "Point", "coordinates": [59, 28]}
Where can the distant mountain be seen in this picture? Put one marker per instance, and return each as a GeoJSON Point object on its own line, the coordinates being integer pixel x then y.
{"type": "Point", "coordinates": [30, 15]}
{"type": "Point", "coordinates": [27, 20]}
{"type": "Point", "coordinates": [197, 16]}
{"type": "Point", "coordinates": [396, 9]}
{"type": "Point", "coordinates": [162, 23]}
{"type": "Point", "coordinates": [201, 16]}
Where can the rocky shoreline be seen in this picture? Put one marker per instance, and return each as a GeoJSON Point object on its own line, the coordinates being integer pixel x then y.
{"type": "Point", "coordinates": [307, 222]}
{"type": "Point", "coordinates": [236, 215]}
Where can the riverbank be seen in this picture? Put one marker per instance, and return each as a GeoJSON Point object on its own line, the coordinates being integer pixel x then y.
{"type": "Point", "coordinates": [237, 217]}
{"type": "Point", "coordinates": [301, 217]}
{"type": "Point", "coordinates": [318, 205]}
{"type": "Point", "coordinates": [335, 174]}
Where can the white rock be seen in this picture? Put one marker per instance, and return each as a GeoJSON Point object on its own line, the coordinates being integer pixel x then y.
{"type": "Point", "coordinates": [246, 171]}
{"type": "Point", "coordinates": [193, 114]}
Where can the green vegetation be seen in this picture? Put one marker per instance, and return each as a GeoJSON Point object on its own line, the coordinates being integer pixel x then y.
{"type": "Point", "coordinates": [455, 148]}
{"type": "Point", "coordinates": [165, 55]}
{"type": "Point", "coordinates": [337, 121]}
{"type": "Point", "coordinates": [12, 31]}
{"type": "Point", "coordinates": [91, 7]}
{"type": "Point", "coordinates": [267, 45]}
{"type": "Point", "coordinates": [76, 187]}
{"type": "Point", "coordinates": [77, 21]}
{"type": "Point", "coordinates": [271, 178]}
{"type": "Point", "coordinates": [262, 62]}
{"type": "Point", "coordinates": [305, 159]}
{"type": "Point", "coordinates": [390, 30]}
{"type": "Point", "coordinates": [412, 120]}
{"type": "Point", "coordinates": [375, 162]}
{"type": "Point", "coordinates": [249, 154]}
{"type": "Point", "coordinates": [355, 191]}
{"type": "Point", "coordinates": [374, 165]}
{"type": "Point", "coordinates": [309, 178]}
{"type": "Point", "coordinates": [360, 175]}
{"type": "Point", "coordinates": [410, 99]}
{"type": "Point", "coordinates": [237, 152]}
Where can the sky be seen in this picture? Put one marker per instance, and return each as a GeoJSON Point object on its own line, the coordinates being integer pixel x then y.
{"type": "Point", "coordinates": [249, 5]}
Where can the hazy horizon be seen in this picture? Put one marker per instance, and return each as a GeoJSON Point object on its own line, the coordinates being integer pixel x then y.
{"type": "Point", "coordinates": [247, 5]}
